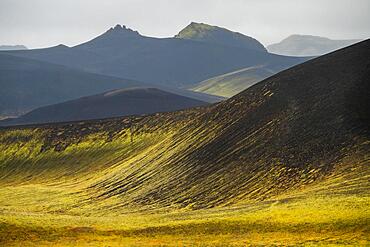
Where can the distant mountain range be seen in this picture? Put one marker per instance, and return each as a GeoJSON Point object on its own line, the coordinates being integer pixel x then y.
{"type": "Point", "coordinates": [175, 62]}
{"type": "Point", "coordinates": [122, 58]}
{"type": "Point", "coordinates": [12, 47]}
{"type": "Point", "coordinates": [121, 102]}
{"type": "Point", "coordinates": [27, 84]}
{"type": "Point", "coordinates": [308, 45]}
{"type": "Point", "coordinates": [230, 84]}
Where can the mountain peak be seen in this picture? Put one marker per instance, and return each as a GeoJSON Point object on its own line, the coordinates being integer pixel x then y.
{"type": "Point", "coordinates": [201, 26]}
{"type": "Point", "coordinates": [122, 29]}
{"type": "Point", "coordinates": [113, 37]}
{"type": "Point", "coordinates": [196, 29]}
{"type": "Point", "coordinates": [218, 35]}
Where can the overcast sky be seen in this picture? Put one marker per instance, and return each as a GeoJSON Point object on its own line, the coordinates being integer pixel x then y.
{"type": "Point", "coordinates": [42, 23]}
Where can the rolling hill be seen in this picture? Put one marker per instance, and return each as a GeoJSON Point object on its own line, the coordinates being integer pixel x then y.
{"type": "Point", "coordinates": [285, 162]}
{"type": "Point", "coordinates": [116, 103]}
{"type": "Point", "coordinates": [232, 83]}
{"type": "Point", "coordinates": [308, 45]}
{"type": "Point", "coordinates": [27, 84]}
{"type": "Point", "coordinates": [171, 62]}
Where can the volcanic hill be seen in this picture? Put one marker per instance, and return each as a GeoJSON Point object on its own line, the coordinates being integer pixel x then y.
{"type": "Point", "coordinates": [284, 162]}
{"type": "Point", "coordinates": [27, 84]}
{"type": "Point", "coordinates": [116, 103]}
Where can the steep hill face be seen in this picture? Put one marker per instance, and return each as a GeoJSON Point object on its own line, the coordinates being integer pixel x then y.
{"type": "Point", "coordinates": [217, 35]}
{"type": "Point", "coordinates": [116, 103]}
{"type": "Point", "coordinates": [232, 83]}
{"type": "Point", "coordinates": [308, 45]}
{"type": "Point", "coordinates": [306, 127]}
{"type": "Point", "coordinates": [172, 62]}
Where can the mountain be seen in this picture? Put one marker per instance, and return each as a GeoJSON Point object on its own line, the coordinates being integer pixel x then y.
{"type": "Point", "coordinates": [171, 62]}
{"type": "Point", "coordinates": [116, 103]}
{"type": "Point", "coordinates": [308, 45]}
{"type": "Point", "coordinates": [285, 162]}
{"type": "Point", "coordinates": [232, 83]}
{"type": "Point", "coordinates": [221, 36]}
{"type": "Point", "coordinates": [12, 47]}
{"type": "Point", "coordinates": [28, 84]}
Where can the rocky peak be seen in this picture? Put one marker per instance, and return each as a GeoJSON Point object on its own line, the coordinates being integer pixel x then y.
{"type": "Point", "coordinates": [122, 29]}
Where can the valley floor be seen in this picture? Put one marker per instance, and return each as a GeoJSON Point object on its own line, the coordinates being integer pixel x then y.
{"type": "Point", "coordinates": [297, 219]}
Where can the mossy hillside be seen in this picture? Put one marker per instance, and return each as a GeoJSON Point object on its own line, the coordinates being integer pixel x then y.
{"type": "Point", "coordinates": [88, 155]}
{"type": "Point", "coordinates": [139, 170]}
{"type": "Point", "coordinates": [196, 30]}
{"type": "Point", "coordinates": [284, 162]}
{"type": "Point", "coordinates": [220, 36]}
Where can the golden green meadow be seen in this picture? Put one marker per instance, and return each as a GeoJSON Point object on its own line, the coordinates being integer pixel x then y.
{"type": "Point", "coordinates": [54, 198]}
{"type": "Point", "coordinates": [284, 163]}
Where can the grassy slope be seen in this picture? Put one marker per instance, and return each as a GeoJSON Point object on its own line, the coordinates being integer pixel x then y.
{"type": "Point", "coordinates": [252, 170]}
{"type": "Point", "coordinates": [64, 204]}
{"type": "Point", "coordinates": [230, 84]}
{"type": "Point", "coordinates": [213, 34]}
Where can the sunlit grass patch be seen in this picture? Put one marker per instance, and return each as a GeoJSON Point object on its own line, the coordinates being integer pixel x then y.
{"type": "Point", "coordinates": [308, 221]}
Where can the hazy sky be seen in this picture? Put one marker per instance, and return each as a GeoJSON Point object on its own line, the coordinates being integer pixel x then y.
{"type": "Point", "coordinates": [41, 23]}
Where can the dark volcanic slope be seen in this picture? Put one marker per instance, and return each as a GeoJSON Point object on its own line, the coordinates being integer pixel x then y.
{"type": "Point", "coordinates": [122, 102]}
{"type": "Point", "coordinates": [172, 62]}
{"type": "Point", "coordinates": [292, 129]}
{"type": "Point", "coordinates": [303, 126]}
